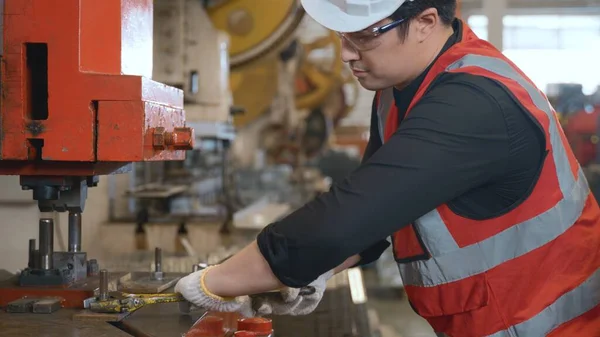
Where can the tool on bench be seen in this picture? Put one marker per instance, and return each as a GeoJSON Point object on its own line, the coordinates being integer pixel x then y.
{"type": "Point", "coordinates": [119, 302]}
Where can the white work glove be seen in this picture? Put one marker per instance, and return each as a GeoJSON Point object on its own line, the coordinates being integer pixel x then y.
{"type": "Point", "coordinates": [292, 301]}
{"type": "Point", "coordinates": [193, 289]}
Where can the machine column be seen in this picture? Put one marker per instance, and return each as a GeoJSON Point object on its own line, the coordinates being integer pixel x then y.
{"type": "Point", "coordinates": [74, 232]}
{"type": "Point", "coordinates": [46, 243]}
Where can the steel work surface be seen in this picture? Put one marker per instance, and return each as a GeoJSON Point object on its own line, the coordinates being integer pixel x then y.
{"type": "Point", "coordinates": [161, 320]}
{"type": "Point", "coordinates": [58, 324]}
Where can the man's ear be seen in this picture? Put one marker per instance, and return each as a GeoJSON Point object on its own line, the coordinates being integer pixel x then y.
{"type": "Point", "coordinates": [426, 23]}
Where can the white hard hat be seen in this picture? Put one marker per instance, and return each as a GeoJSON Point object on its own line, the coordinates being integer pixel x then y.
{"type": "Point", "coordinates": [350, 15]}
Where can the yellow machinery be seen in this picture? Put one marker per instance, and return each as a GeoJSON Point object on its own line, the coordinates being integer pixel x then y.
{"type": "Point", "coordinates": [268, 62]}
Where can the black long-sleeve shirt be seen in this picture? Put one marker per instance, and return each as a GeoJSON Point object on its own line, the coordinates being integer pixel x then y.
{"type": "Point", "coordinates": [466, 143]}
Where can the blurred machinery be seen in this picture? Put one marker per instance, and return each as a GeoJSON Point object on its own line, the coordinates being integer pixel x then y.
{"type": "Point", "coordinates": [291, 98]}
{"type": "Point", "coordinates": [294, 89]}
{"type": "Point", "coordinates": [582, 129]}
{"type": "Point", "coordinates": [189, 53]}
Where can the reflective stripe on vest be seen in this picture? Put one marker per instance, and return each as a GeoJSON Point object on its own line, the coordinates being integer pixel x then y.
{"type": "Point", "coordinates": [567, 307]}
{"type": "Point", "coordinates": [451, 263]}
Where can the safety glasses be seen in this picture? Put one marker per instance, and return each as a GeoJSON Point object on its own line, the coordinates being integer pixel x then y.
{"type": "Point", "coordinates": [367, 39]}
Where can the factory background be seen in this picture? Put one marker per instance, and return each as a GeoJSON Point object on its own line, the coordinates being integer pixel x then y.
{"type": "Point", "coordinates": [556, 42]}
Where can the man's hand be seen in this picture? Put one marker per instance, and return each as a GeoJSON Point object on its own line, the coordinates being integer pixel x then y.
{"type": "Point", "coordinates": [292, 301]}
{"type": "Point", "coordinates": [193, 289]}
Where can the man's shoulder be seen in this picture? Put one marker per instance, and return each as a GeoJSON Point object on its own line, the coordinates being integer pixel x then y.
{"type": "Point", "coordinates": [473, 99]}
{"type": "Point", "coordinates": [465, 85]}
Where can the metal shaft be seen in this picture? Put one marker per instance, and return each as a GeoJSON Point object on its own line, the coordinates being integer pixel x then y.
{"type": "Point", "coordinates": [157, 259]}
{"type": "Point", "coordinates": [46, 243]}
{"type": "Point", "coordinates": [74, 232]}
{"type": "Point", "coordinates": [31, 263]}
{"type": "Point", "coordinates": [103, 296]}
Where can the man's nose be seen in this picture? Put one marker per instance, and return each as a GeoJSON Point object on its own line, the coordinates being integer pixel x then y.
{"type": "Point", "coordinates": [348, 53]}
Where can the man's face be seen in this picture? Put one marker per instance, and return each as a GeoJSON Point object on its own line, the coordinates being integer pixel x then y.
{"type": "Point", "coordinates": [391, 62]}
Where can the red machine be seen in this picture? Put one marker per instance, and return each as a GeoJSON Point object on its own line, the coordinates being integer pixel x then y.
{"type": "Point", "coordinates": [582, 131]}
{"type": "Point", "coordinates": [76, 102]}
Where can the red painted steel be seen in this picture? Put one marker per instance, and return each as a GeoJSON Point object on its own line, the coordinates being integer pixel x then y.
{"type": "Point", "coordinates": [102, 110]}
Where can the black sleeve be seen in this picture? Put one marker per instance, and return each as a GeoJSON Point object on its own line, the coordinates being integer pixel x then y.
{"type": "Point", "coordinates": [374, 139]}
{"type": "Point", "coordinates": [453, 140]}
{"type": "Point", "coordinates": [372, 253]}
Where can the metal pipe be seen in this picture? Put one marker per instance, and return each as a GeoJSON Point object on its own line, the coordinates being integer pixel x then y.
{"type": "Point", "coordinates": [103, 291]}
{"type": "Point", "coordinates": [158, 259]}
{"type": "Point", "coordinates": [74, 232]}
{"type": "Point", "coordinates": [31, 263]}
{"type": "Point", "coordinates": [46, 243]}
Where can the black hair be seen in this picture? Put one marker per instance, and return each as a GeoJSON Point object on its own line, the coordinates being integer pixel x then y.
{"type": "Point", "coordinates": [411, 8]}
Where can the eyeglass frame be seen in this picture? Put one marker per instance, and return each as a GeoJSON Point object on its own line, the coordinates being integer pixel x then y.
{"type": "Point", "coordinates": [376, 31]}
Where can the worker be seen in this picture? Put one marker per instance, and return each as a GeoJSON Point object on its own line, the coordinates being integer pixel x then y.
{"type": "Point", "coordinates": [493, 227]}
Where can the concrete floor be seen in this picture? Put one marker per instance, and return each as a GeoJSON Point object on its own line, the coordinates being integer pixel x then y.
{"type": "Point", "coordinates": [395, 316]}
{"type": "Point", "coordinates": [397, 319]}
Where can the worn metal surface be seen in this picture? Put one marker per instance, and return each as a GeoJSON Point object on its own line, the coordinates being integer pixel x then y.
{"type": "Point", "coordinates": [163, 320]}
{"type": "Point", "coordinates": [146, 283]}
{"type": "Point", "coordinates": [47, 306]}
{"type": "Point", "coordinates": [72, 265]}
{"type": "Point", "coordinates": [58, 324]}
{"type": "Point", "coordinates": [20, 306]}
{"type": "Point", "coordinates": [87, 315]}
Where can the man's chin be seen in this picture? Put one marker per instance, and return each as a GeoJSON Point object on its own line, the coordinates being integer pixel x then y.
{"type": "Point", "coordinates": [369, 85]}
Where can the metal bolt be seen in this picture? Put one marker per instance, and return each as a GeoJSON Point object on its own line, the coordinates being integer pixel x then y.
{"type": "Point", "coordinates": [74, 232]}
{"type": "Point", "coordinates": [103, 296]}
{"type": "Point", "coordinates": [158, 137]}
{"type": "Point", "coordinates": [157, 259]}
{"type": "Point", "coordinates": [181, 138]}
{"type": "Point", "coordinates": [158, 273]}
{"type": "Point", "coordinates": [46, 235]}
{"type": "Point", "coordinates": [93, 267]}
{"type": "Point", "coordinates": [31, 263]}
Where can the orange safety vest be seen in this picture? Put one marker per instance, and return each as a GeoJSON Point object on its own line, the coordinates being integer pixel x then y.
{"type": "Point", "coordinates": [531, 272]}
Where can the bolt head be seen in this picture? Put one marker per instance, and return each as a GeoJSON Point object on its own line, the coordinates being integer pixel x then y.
{"type": "Point", "coordinates": [158, 137]}
{"type": "Point", "coordinates": [182, 138]}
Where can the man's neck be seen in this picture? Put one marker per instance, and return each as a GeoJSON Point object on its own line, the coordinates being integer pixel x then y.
{"type": "Point", "coordinates": [438, 44]}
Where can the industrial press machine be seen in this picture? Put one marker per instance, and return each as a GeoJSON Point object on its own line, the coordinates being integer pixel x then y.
{"type": "Point", "coordinates": [76, 103]}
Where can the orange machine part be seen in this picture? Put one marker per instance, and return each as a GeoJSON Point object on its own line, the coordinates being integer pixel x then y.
{"type": "Point", "coordinates": [70, 298]}
{"type": "Point", "coordinates": [90, 61]}
{"type": "Point", "coordinates": [222, 324]}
